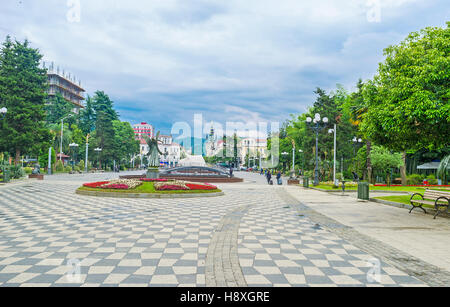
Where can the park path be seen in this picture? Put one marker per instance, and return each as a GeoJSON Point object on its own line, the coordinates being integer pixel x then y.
{"type": "Point", "coordinates": [255, 235]}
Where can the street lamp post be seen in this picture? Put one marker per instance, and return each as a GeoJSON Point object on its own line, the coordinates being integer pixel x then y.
{"type": "Point", "coordinates": [62, 133]}
{"type": "Point", "coordinates": [3, 112]}
{"type": "Point", "coordinates": [301, 164]}
{"type": "Point", "coordinates": [355, 143]}
{"type": "Point", "coordinates": [284, 154]}
{"type": "Point", "coordinates": [98, 151]}
{"type": "Point", "coordinates": [318, 124]}
{"type": "Point", "coordinates": [293, 161]}
{"type": "Point", "coordinates": [72, 147]}
{"type": "Point", "coordinates": [334, 163]}
{"type": "Point", "coordinates": [87, 154]}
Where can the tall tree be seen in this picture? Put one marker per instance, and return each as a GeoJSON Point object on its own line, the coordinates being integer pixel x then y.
{"type": "Point", "coordinates": [87, 117]}
{"type": "Point", "coordinates": [104, 136]}
{"type": "Point", "coordinates": [23, 87]}
{"type": "Point", "coordinates": [102, 103]}
{"type": "Point", "coordinates": [57, 108]}
{"type": "Point", "coordinates": [408, 101]}
{"type": "Point", "coordinates": [125, 143]}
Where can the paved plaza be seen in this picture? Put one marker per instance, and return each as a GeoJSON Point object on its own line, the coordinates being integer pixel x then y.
{"type": "Point", "coordinates": [255, 235]}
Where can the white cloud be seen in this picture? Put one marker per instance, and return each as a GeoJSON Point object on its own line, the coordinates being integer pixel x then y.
{"type": "Point", "coordinates": [260, 55]}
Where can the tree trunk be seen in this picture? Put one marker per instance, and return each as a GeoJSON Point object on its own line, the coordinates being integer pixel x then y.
{"type": "Point", "coordinates": [17, 158]}
{"type": "Point", "coordinates": [403, 169]}
{"type": "Point", "coordinates": [369, 162]}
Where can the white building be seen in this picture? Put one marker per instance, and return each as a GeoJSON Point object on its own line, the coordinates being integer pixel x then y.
{"type": "Point", "coordinates": [252, 146]}
{"type": "Point", "coordinates": [171, 152]}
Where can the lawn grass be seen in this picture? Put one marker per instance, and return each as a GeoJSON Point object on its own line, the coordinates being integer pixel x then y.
{"type": "Point", "coordinates": [373, 188]}
{"type": "Point", "coordinates": [403, 199]}
{"type": "Point", "coordinates": [148, 188]}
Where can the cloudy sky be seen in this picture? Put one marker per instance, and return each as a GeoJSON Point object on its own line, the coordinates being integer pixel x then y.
{"type": "Point", "coordinates": [163, 61]}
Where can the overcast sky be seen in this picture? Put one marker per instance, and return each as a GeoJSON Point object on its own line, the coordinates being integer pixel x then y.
{"type": "Point", "coordinates": [162, 61]}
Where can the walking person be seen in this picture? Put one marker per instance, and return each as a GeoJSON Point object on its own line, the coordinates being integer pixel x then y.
{"type": "Point", "coordinates": [269, 177]}
{"type": "Point", "coordinates": [279, 180]}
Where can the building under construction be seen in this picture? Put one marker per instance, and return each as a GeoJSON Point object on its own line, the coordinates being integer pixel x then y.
{"type": "Point", "coordinates": [62, 83]}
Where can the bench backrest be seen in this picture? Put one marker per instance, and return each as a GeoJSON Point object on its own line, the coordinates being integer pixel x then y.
{"type": "Point", "coordinates": [433, 194]}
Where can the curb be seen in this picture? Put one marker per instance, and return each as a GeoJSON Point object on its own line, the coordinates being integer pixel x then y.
{"type": "Point", "coordinates": [355, 191]}
{"type": "Point", "coordinates": [147, 195]}
{"type": "Point", "coordinates": [405, 206]}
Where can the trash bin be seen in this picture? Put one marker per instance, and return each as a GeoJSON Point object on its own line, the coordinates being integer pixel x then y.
{"type": "Point", "coordinates": [6, 174]}
{"type": "Point", "coordinates": [363, 190]}
{"type": "Point", "coordinates": [306, 182]}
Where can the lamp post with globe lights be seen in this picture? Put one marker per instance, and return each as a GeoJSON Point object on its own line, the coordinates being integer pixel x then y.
{"type": "Point", "coordinates": [284, 154]}
{"type": "Point", "coordinates": [317, 124]}
{"type": "Point", "coordinates": [355, 141]}
{"type": "Point", "coordinates": [3, 112]}
{"type": "Point", "coordinates": [335, 147]}
{"type": "Point", "coordinates": [302, 161]}
{"type": "Point", "coordinates": [74, 148]}
{"type": "Point", "coordinates": [98, 151]}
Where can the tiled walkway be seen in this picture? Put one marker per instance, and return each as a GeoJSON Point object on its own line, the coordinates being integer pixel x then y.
{"type": "Point", "coordinates": [50, 236]}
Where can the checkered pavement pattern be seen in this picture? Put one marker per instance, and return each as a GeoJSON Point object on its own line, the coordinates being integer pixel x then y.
{"type": "Point", "coordinates": [280, 248]}
{"type": "Point", "coordinates": [48, 234]}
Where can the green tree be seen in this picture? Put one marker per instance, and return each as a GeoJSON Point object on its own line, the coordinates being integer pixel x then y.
{"type": "Point", "coordinates": [104, 137]}
{"type": "Point", "coordinates": [125, 143]}
{"type": "Point", "coordinates": [23, 87]}
{"type": "Point", "coordinates": [57, 108]}
{"type": "Point", "coordinates": [408, 100]}
{"type": "Point", "coordinates": [102, 103]}
{"type": "Point", "coordinates": [43, 157]}
{"type": "Point", "coordinates": [87, 117]}
{"type": "Point", "coordinates": [383, 160]}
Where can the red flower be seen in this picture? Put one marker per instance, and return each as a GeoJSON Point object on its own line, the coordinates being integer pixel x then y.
{"type": "Point", "coordinates": [171, 187]}
{"type": "Point", "coordinates": [201, 186]}
{"type": "Point", "coordinates": [116, 187]}
{"type": "Point", "coordinates": [95, 184]}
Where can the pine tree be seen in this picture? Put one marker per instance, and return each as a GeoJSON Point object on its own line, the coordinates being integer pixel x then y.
{"type": "Point", "coordinates": [23, 87]}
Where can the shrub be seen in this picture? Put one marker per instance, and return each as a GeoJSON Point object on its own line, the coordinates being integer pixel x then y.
{"type": "Point", "coordinates": [68, 169]}
{"type": "Point", "coordinates": [17, 172]}
{"type": "Point", "coordinates": [59, 166]}
{"type": "Point", "coordinates": [432, 180]}
{"type": "Point", "coordinates": [28, 170]}
{"type": "Point", "coordinates": [76, 168]}
{"type": "Point", "coordinates": [414, 179]}
{"type": "Point", "coordinates": [81, 164]}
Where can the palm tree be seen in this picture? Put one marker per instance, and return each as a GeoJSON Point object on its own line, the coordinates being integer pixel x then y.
{"type": "Point", "coordinates": [443, 169]}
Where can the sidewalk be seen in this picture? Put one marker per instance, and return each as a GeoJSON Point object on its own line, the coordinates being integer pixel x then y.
{"type": "Point", "coordinates": [416, 234]}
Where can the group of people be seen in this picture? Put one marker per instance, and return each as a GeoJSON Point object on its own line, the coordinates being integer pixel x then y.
{"type": "Point", "coordinates": [269, 173]}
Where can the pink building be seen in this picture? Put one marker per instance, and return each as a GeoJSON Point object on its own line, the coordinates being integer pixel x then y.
{"type": "Point", "coordinates": [143, 129]}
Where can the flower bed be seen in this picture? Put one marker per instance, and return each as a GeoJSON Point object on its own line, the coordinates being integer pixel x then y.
{"type": "Point", "coordinates": [175, 185]}
{"type": "Point", "coordinates": [115, 187]}
{"type": "Point", "coordinates": [151, 185]}
{"type": "Point", "coordinates": [153, 180]}
{"type": "Point", "coordinates": [95, 184]}
{"type": "Point", "coordinates": [205, 186]}
{"type": "Point", "coordinates": [117, 184]}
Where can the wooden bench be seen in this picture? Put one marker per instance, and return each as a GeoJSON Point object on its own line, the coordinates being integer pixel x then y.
{"type": "Point", "coordinates": [431, 197]}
